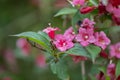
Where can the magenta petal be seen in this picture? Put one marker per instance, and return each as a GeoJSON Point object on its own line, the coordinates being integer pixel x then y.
{"type": "Point", "coordinates": [84, 43]}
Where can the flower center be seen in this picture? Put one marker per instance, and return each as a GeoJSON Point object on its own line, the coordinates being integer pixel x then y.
{"type": "Point", "coordinates": [73, 33]}
{"type": "Point", "coordinates": [85, 36]}
{"type": "Point", "coordinates": [101, 40]}
{"type": "Point", "coordinates": [62, 43]}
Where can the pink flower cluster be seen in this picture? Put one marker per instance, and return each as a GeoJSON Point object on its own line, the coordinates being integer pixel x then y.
{"type": "Point", "coordinates": [113, 8]}
{"type": "Point", "coordinates": [85, 36]}
{"type": "Point", "coordinates": [115, 50]}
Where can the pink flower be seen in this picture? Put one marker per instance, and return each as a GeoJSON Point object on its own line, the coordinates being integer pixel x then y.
{"type": "Point", "coordinates": [88, 24]}
{"type": "Point", "coordinates": [23, 45]}
{"type": "Point", "coordinates": [109, 8]}
{"type": "Point", "coordinates": [78, 2]}
{"type": "Point", "coordinates": [115, 50]}
{"type": "Point", "coordinates": [50, 31]}
{"type": "Point", "coordinates": [77, 59]}
{"type": "Point", "coordinates": [41, 61]}
{"type": "Point", "coordinates": [116, 12]}
{"type": "Point", "coordinates": [62, 43]}
{"type": "Point", "coordinates": [69, 34]}
{"type": "Point", "coordinates": [85, 37]}
{"type": "Point", "coordinates": [111, 71]}
{"type": "Point", "coordinates": [101, 40]}
{"type": "Point", "coordinates": [87, 9]}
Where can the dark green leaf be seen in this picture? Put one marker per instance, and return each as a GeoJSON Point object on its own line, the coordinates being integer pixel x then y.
{"type": "Point", "coordinates": [60, 69]}
{"type": "Point", "coordinates": [94, 51]}
{"type": "Point", "coordinates": [66, 11]}
{"type": "Point", "coordinates": [37, 38]}
{"type": "Point", "coordinates": [118, 68]}
{"type": "Point", "coordinates": [78, 50]}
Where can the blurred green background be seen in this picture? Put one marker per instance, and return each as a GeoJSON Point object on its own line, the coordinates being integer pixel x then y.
{"type": "Point", "coordinates": [18, 16]}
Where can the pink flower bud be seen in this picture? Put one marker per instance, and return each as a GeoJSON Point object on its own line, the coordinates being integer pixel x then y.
{"type": "Point", "coordinates": [50, 31]}
{"type": "Point", "coordinates": [86, 10]}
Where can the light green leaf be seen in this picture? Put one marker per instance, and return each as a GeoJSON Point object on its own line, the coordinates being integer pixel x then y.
{"type": "Point", "coordinates": [44, 35]}
{"type": "Point", "coordinates": [65, 11]}
{"type": "Point", "coordinates": [78, 50]}
{"type": "Point", "coordinates": [37, 38]}
{"type": "Point", "coordinates": [107, 78]}
{"type": "Point", "coordinates": [94, 2]}
{"type": "Point", "coordinates": [118, 68]}
{"type": "Point", "coordinates": [94, 51]}
{"type": "Point", "coordinates": [60, 69]}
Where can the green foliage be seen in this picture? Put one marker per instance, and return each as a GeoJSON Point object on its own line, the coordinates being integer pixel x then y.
{"type": "Point", "coordinates": [94, 51]}
{"type": "Point", "coordinates": [78, 50]}
{"type": "Point", "coordinates": [60, 69]}
{"type": "Point", "coordinates": [39, 38]}
{"type": "Point", "coordinates": [94, 2]}
{"type": "Point", "coordinates": [65, 11]}
{"type": "Point", "coordinates": [117, 68]}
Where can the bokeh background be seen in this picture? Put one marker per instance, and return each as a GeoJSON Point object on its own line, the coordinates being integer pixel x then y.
{"type": "Point", "coordinates": [19, 60]}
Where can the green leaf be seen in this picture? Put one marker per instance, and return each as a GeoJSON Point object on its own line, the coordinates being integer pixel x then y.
{"type": "Point", "coordinates": [103, 69]}
{"type": "Point", "coordinates": [118, 68]}
{"type": "Point", "coordinates": [44, 35]}
{"type": "Point", "coordinates": [94, 2]}
{"type": "Point", "coordinates": [65, 11]}
{"type": "Point", "coordinates": [60, 69]}
{"type": "Point", "coordinates": [78, 50]}
{"type": "Point", "coordinates": [37, 38]}
{"type": "Point", "coordinates": [107, 78]}
{"type": "Point", "coordinates": [94, 51]}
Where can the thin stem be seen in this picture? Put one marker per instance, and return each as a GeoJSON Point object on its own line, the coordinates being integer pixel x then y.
{"type": "Point", "coordinates": [83, 69]}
